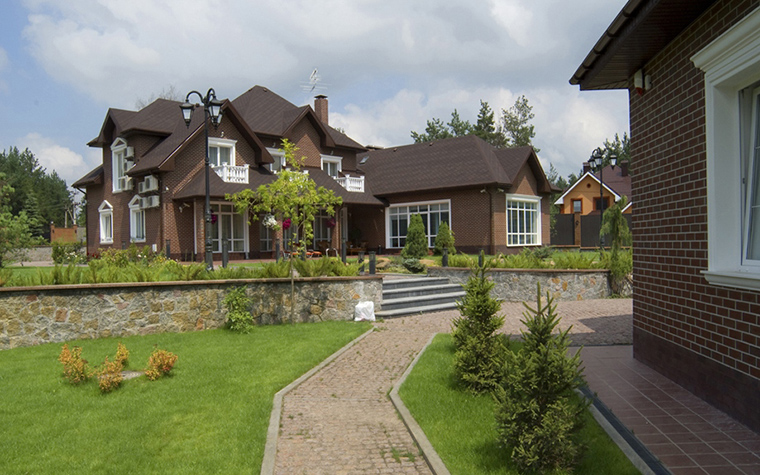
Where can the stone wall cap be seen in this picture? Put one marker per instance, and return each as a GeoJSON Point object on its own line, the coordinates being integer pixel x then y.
{"type": "Point", "coordinates": [185, 283]}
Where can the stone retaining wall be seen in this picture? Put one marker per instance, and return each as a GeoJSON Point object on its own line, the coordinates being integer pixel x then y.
{"type": "Point", "coordinates": [519, 285]}
{"type": "Point", "coordinates": [35, 315]}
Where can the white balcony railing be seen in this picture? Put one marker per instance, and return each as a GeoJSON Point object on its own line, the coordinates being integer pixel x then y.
{"type": "Point", "coordinates": [232, 174]}
{"type": "Point", "coordinates": [352, 183]}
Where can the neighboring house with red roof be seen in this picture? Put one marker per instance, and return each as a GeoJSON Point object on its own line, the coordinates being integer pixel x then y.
{"type": "Point", "coordinates": [692, 69]}
{"type": "Point", "coordinates": [150, 188]}
{"type": "Point", "coordinates": [583, 196]}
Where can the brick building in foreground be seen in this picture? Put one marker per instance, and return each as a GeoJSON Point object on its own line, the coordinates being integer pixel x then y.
{"type": "Point", "coordinates": [692, 68]}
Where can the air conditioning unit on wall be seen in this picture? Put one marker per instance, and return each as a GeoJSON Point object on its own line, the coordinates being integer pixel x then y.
{"type": "Point", "coordinates": [129, 153]}
{"type": "Point", "coordinates": [149, 202]}
{"type": "Point", "coordinates": [150, 183]}
{"type": "Point", "coordinates": [125, 183]}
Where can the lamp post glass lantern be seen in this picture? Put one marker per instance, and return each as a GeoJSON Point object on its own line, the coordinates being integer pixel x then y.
{"type": "Point", "coordinates": [597, 165]}
{"type": "Point", "coordinates": [212, 109]}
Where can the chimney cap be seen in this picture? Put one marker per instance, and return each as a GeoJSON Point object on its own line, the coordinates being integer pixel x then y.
{"type": "Point", "coordinates": [320, 96]}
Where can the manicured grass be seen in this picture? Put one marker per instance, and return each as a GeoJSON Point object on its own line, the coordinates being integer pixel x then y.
{"type": "Point", "coordinates": [209, 416]}
{"type": "Point", "coordinates": [462, 428]}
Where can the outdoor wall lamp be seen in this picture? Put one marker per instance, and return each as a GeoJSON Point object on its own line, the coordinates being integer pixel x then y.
{"type": "Point", "coordinates": [597, 164]}
{"type": "Point", "coordinates": [212, 108]}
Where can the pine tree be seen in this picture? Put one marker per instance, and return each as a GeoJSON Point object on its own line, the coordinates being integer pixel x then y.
{"type": "Point", "coordinates": [444, 238]}
{"type": "Point", "coordinates": [416, 246]}
{"type": "Point", "coordinates": [480, 351]}
{"type": "Point", "coordinates": [538, 414]}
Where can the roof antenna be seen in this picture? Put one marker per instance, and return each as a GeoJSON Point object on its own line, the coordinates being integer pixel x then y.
{"type": "Point", "coordinates": [313, 84]}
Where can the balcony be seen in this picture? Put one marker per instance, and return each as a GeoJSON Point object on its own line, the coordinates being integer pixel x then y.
{"type": "Point", "coordinates": [233, 174]}
{"type": "Point", "coordinates": [352, 183]}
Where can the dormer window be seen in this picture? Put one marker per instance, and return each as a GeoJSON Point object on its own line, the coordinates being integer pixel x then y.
{"type": "Point", "coordinates": [279, 160]}
{"type": "Point", "coordinates": [221, 152]}
{"type": "Point", "coordinates": [122, 159]}
{"type": "Point", "coordinates": [332, 165]}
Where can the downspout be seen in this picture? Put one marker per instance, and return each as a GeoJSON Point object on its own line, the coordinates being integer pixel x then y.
{"type": "Point", "coordinates": [493, 224]}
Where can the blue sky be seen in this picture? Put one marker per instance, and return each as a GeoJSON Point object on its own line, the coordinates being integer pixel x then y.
{"type": "Point", "coordinates": [386, 65]}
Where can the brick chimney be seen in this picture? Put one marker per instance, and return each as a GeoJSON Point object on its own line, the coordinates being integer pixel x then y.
{"type": "Point", "coordinates": [320, 107]}
{"type": "Point", "coordinates": [586, 168]}
{"type": "Point", "coordinates": [624, 168]}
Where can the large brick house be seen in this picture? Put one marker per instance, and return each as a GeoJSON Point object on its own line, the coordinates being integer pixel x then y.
{"type": "Point", "coordinates": [692, 68]}
{"type": "Point", "coordinates": [494, 199]}
{"type": "Point", "coordinates": [150, 188]}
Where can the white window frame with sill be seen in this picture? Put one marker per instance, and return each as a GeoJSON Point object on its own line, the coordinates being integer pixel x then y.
{"type": "Point", "coordinates": [330, 161]}
{"type": "Point", "coordinates": [118, 163]}
{"type": "Point", "coordinates": [105, 212]}
{"type": "Point", "coordinates": [136, 220]}
{"type": "Point", "coordinates": [731, 65]}
{"type": "Point", "coordinates": [402, 212]}
{"type": "Point", "coordinates": [216, 143]}
{"type": "Point", "coordinates": [279, 160]}
{"type": "Point", "coordinates": [523, 208]}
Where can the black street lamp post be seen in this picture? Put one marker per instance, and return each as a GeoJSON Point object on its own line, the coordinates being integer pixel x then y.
{"type": "Point", "coordinates": [597, 164]}
{"type": "Point", "coordinates": [212, 108]}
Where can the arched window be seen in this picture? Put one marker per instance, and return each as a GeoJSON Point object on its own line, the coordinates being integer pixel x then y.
{"type": "Point", "coordinates": [106, 222]}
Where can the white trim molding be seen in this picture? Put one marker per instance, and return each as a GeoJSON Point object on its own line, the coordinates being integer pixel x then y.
{"type": "Point", "coordinates": [730, 63]}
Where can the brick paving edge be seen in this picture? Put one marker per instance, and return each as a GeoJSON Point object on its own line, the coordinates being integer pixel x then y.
{"type": "Point", "coordinates": [431, 456]}
{"type": "Point", "coordinates": [270, 449]}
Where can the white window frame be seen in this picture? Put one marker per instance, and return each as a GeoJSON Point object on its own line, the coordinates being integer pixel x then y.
{"type": "Point", "coordinates": [396, 209]}
{"type": "Point", "coordinates": [332, 160]}
{"type": "Point", "coordinates": [221, 209]}
{"type": "Point", "coordinates": [105, 210]}
{"type": "Point", "coordinates": [535, 233]}
{"type": "Point", "coordinates": [219, 143]}
{"type": "Point", "coordinates": [137, 230]}
{"type": "Point", "coordinates": [118, 163]}
{"type": "Point", "coordinates": [731, 63]}
{"type": "Point", "coordinates": [265, 238]}
{"type": "Point", "coordinates": [279, 160]}
{"type": "Point", "coordinates": [322, 232]}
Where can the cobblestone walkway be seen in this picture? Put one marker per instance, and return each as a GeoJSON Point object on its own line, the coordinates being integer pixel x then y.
{"type": "Point", "coordinates": [341, 421]}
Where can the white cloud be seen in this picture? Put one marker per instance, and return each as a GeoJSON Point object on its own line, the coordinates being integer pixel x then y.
{"type": "Point", "coordinates": [568, 124]}
{"type": "Point", "coordinates": [69, 165]}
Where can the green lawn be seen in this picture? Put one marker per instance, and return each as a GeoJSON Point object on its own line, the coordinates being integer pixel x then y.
{"type": "Point", "coordinates": [210, 416]}
{"type": "Point", "coordinates": [462, 428]}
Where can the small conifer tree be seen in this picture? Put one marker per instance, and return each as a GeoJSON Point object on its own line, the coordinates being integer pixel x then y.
{"type": "Point", "coordinates": [444, 238]}
{"type": "Point", "coordinates": [480, 351]}
{"type": "Point", "coordinates": [416, 242]}
{"type": "Point", "coordinates": [538, 414]}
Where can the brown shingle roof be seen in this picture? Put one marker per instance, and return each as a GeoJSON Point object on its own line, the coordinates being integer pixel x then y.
{"type": "Point", "coordinates": [196, 187]}
{"type": "Point", "coordinates": [94, 177]}
{"type": "Point", "coordinates": [444, 164]}
{"type": "Point", "coordinates": [269, 114]}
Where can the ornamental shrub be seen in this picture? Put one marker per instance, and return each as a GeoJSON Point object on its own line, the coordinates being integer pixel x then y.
{"type": "Point", "coordinates": [416, 246]}
{"type": "Point", "coordinates": [109, 375]}
{"type": "Point", "coordinates": [538, 415]}
{"type": "Point", "coordinates": [414, 266]}
{"type": "Point", "coordinates": [444, 238]}
{"type": "Point", "coordinates": [68, 253]}
{"type": "Point", "coordinates": [122, 355]}
{"type": "Point", "coordinates": [479, 355]}
{"type": "Point", "coordinates": [238, 306]}
{"type": "Point", "coordinates": [75, 368]}
{"type": "Point", "coordinates": [160, 363]}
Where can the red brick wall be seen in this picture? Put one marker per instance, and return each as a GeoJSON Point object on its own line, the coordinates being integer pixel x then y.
{"type": "Point", "coordinates": [705, 337]}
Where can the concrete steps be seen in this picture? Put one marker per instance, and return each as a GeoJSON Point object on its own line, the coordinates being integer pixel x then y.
{"type": "Point", "coordinates": [418, 295]}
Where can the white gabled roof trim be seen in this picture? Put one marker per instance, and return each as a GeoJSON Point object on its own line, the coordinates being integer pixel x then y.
{"type": "Point", "coordinates": [561, 199]}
